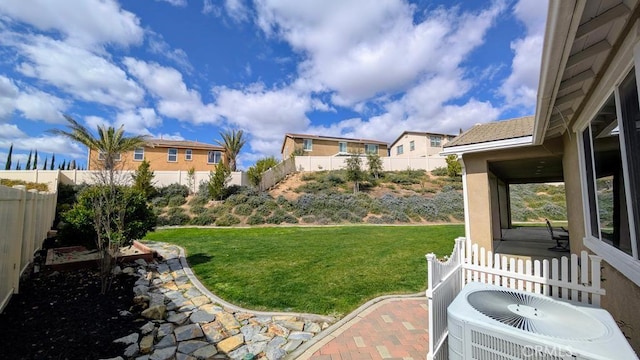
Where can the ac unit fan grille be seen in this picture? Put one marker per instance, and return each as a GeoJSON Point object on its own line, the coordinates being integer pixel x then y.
{"type": "Point", "coordinates": [536, 314]}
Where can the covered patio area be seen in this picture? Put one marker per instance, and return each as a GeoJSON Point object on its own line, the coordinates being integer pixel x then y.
{"type": "Point", "coordinates": [527, 242]}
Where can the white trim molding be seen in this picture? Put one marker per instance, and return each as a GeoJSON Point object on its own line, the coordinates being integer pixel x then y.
{"type": "Point", "coordinates": [486, 146]}
{"type": "Point", "coordinates": [620, 261]}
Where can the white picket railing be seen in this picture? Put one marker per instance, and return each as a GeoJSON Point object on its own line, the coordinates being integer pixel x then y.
{"type": "Point", "coordinates": [25, 219]}
{"type": "Point", "coordinates": [570, 278]}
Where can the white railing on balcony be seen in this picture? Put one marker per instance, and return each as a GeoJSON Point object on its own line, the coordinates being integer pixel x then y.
{"type": "Point", "coordinates": [570, 278]}
{"type": "Point", "coordinates": [25, 219]}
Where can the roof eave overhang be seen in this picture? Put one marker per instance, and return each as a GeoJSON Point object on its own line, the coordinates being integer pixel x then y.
{"type": "Point", "coordinates": [563, 19]}
{"type": "Point", "coordinates": [488, 146]}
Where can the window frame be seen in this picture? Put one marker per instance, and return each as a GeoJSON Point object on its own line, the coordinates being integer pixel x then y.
{"type": "Point", "coordinates": [340, 144]}
{"type": "Point", "coordinates": [115, 158]}
{"type": "Point", "coordinates": [214, 152]}
{"type": "Point", "coordinates": [627, 264]}
{"type": "Point", "coordinates": [367, 148]}
{"type": "Point", "coordinates": [435, 139]}
{"type": "Point", "coordinates": [399, 149]}
{"type": "Point", "coordinates": [310, 144]}
{"type": "Point", "coordinates": [169, 155]}
{"type": "Point", "coordinates": [188, 154]}
{"type": "Point", "coordinates": [412, 145]}
{"type": "Point", "coordinates": [136, 153]}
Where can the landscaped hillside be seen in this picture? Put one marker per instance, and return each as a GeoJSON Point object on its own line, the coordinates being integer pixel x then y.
{"type": "Point", "coordinates": [534, 202]}
{"type": "Point", "coordinates": [325, 197]}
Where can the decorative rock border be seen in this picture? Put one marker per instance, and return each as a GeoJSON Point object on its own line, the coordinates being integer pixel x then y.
{"type": "Point", "coordinates": [186, 321]}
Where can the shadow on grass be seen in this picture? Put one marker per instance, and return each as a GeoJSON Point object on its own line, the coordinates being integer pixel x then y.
{"type": "Point", "coordinates": [199, 258]}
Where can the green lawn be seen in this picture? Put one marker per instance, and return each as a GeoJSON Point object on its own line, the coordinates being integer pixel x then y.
{"type": "Point", "coordinates": [323, 270]}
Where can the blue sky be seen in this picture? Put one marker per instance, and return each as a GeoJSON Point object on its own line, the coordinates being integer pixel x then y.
{"type": "Point", "coordinates": [188, 69]}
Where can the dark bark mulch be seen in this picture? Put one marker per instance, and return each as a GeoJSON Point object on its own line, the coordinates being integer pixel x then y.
{"type": "Point", "coordinates": [62, 315]}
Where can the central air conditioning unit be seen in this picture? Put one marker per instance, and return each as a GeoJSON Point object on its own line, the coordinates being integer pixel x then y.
{"type": "Point", "coordinates": [489, 322]}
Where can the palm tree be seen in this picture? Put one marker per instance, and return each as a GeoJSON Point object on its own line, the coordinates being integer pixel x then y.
{"type": "Point", "coordinates": [232, 142]}
{"type": "Point", "coordinates": [109, 143]}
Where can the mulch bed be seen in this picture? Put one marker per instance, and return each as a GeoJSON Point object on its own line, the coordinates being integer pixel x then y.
{"type": "Point", "coordinates": [62, 315]}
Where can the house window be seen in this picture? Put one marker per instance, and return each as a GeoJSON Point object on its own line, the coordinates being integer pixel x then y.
{"type": "Point", "coordinates": [172, 155]}
{"type": "Point", "coordinates": [188, 154]}
{"type": "Point", "coordinates": [116, 157]}
{"type": "Point", "coordinates": [138, 154]}
{"type": "Point", "coordinates": [214, 157]}
{"type": "Point", "coordinates": [307, 144]}
{"type": "Point", "coordinates": [436, 141]}
{"type": "Point", "coordinates": [371, 148]}
{"type": "Point", "coordinates": [412, 145]}
{"type": "Point", "coordinates": [611, 143]}
{"type": "Point", "coordinates": [399, 149]}
{"type": "Point", "coordinates": [342, 147]}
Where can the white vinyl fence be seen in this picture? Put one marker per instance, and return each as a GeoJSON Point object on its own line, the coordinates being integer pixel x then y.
{"type": "Point", "coordinates": [72, 177]}
{"type": "Point", "coordinates": [277, 173]}
{"type": "Point", "coordinates": [576, 279]}
{"type": "Point", "coordinates": [319, 163]}
{"type": "Point", "coordinates": [25, 219]}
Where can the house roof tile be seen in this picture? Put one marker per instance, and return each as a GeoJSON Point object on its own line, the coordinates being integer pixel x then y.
{"type": "Point", "coordinates": [494, 131]}
{"type": "Point", "coordinates": [182, 144]}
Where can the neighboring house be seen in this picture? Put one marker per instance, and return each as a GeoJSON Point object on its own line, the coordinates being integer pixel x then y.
{"type": "Point", "coordinates": [168, 155]}
{"type": "Point", "coordinates": [317, 145]}
{"type": "Point", "coordinates": [419, 144]}
{"type": "Point", "coordinates": [585, 133]}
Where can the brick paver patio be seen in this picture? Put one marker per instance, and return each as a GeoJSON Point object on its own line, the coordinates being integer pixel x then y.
{"type": "Point", "coordinates": [394, 328]}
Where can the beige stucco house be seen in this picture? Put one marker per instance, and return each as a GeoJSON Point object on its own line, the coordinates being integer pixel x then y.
{"type": "Point", "coordinates": [167, 155]}
{"type": "Point", "coordinates": [318, 145]}
{"type": "Point", "coordinates": [419, 144]}
{"type": "Point", "coordinates": [586, 133]}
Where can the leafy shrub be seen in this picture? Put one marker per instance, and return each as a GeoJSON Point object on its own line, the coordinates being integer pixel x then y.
{"type": "Point", "coordinates": [553, 212]}
{"type": "Point", "coordinates": [406, 177]}
{"type": "Point", "coordinates": [440, 171]}
{"type": "Point", "coordinates": [160, 202]}
{"type": "Point", "coordinates": [199, 199]}
{"type": "Point", "coordinates": [236, 199]}
{"type": "Point", "coordinates": [28, 185]}
{"type": "Point", "coordinates": [219, 210]}
{"type": "Point", "coordinates": [256, 201]}
{"type": "Point", "coordinates": [172, 190]}
{"type": "Point", "coordinates": [198, 209]}
{"type": "Point", "coordinates": [309, 219]}
{"type": "Point", "coordinates": [255, 220]}
{"type": "Point", "coordinates": [78, 223]}
{"type": "Point", "coordinates": [227, 220]}
{"type": "Point", "coordinates": [177, 200]}
{"type": "Point", "coordinates": [203, 219]}
{"type": "Point", "coordinates": [263, 210]}
{"type": "Point", "coordinates": [175, 211]}
{"type": "Point", "coordinates": [277, 217]}
{"type": "Point", "coordinates": [243, 210]}
{"type": "Point", "coordinates": [375, 220]}
{"type": "Point", "coordinates": [174, 220]}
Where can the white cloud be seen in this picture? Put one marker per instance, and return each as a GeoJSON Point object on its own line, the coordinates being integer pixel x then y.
{"type": "Point", "coordinates": [32, 103]}
{"type": "Point", "coordinates": [179, 3]}
{"type": "Point", "coordinates": [10, 132]}
{"type": "Point", "coordinates": [86, 22]}
{"type": "Point", "coordinates": [174, 98]}
{"type": "Point", "coordinates": [236, 9]}
{"type": "Point", "coordinates": [266, 114]}
{"type": "Point", "coordinates": [381, 53]}
{"type": "Point", "coordinates": [158, 46]}
{"type": "Point", "coordinates": [520, 88]}
{"type": "Point", "coordinates": [208, 8]}
{"type": "Point", "coordinates": [138, 121]}
{"type": "Point", "coordinates": [46, 145]}
{"type": "Point", "coordinates": [76, 71]}
{"type": "Point", "coordinates": [94, 122]}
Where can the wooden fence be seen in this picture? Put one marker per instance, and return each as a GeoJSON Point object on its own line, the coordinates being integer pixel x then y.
{"type": "Point", "coordinates": [277, 173]}
{"type": "Point", "coordinates": [25, 219]}
{"type": "Point", "coordinates": [575, 278]}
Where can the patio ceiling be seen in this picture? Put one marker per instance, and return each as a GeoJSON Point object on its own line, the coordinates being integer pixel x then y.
{"type": "Point", "coordinates": [533, 170]}
{"type": "Point", "coordinates": [590, 49]}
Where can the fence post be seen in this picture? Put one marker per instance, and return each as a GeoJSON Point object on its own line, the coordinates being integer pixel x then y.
{"type": "Point", "coordinates": [19, 227]}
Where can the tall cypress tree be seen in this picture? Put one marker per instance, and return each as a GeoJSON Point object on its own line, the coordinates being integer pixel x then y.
{"type": "Point", "coordinates": [62, 166]}
{"type": "Point", "coordinates": [44, 167]}
{"type": "Point", "coordinates": [28, 167]}
{"type": "Point", "coordinates": [7, 166]}
{"type": "Point", "coordinates": [73, 165]}
{"type": "Point", "coordinates": [34, 166]}
{"type": "Point", "coordinates": [18, 166]}
{"type": "Point", "coordinates": [53, 160]}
